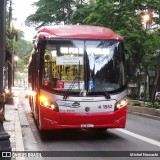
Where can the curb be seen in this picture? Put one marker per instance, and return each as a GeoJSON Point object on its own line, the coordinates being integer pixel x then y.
{"type": "Point", "coordinates": [18, 136]}
{"type": "Point", "coordinates": [18, 132]}
{"type": "Point", "coordinates": [144, 112]}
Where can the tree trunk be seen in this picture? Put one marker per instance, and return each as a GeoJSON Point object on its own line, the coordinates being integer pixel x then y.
{"type": "Point", "coordinates": [156, 84]}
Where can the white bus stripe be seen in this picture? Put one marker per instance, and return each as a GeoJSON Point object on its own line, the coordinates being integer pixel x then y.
{"type": "Point", "coordinates": [151, 141]}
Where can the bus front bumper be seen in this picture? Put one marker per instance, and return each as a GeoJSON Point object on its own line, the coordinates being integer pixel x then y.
{"type": "Point", "coordinates": [51, 120]}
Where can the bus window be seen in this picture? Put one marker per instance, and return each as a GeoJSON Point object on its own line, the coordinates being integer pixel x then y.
{"type": "Point", "coordinates": [91, 64]}
{"type": "Point", "coordinates": [62, 66]}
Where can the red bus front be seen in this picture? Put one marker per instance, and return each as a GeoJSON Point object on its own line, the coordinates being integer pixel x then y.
{"type": "Point", "coordinates": [78, 79]}
{"type": "Point", "coordinates": [78, 112]}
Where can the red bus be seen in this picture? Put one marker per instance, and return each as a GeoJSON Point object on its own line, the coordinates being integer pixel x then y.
{"type": "Point", "coordinates": [77, 76]}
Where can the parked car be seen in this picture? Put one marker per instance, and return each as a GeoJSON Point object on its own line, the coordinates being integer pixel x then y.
{"type": "Point", "coordinates": [157, 96]}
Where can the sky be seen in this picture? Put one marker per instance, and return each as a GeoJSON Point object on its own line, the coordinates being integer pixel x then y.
{"type": "Point", "coordinates": [21, 10]}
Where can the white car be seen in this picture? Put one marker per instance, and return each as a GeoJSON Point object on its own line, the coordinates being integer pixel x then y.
{"type": "Point", "coordinates": [157, 96]}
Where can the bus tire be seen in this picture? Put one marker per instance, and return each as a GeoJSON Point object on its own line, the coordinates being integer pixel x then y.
{"type": "Point", "coordinates": [39, 121]}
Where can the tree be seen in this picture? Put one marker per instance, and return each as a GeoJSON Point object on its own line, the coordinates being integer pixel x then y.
{"type": "Point", "coordinates": [23, 46]}
{"type": "Point", "coordinates": [82, 11]}
{"type": "Point", "coordinates": [122, 16]}
{"type": "Point", "coordinates": [152, 59]}
{"type": "Point", "coordinates": [49, 11]}
{"type": "Point", "coordinates": [125, 18]}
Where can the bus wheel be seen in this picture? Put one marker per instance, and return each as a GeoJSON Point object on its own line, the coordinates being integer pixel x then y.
{"type": "Point", "coordinates": [38, 116]}
{"type": "Point", "coordinates": [39, 122]}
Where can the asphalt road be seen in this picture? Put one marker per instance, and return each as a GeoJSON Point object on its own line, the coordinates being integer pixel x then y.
{"type": "Point", "coordinates": [140, 134]}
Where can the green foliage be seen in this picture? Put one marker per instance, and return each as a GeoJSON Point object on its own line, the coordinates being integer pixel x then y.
{"type": "Point", "coordinates": [124, 17]}
{"type": "Point", "coordinates": [27, 56]}
{"type": "Point", "coordinates": [49, 11]}
{"type": "Point", "coordinates": [82, 11]}
{"type": "Point", "coordinates": [155, 105]}
{"type": "Point", "coordinates": [23, 48]}
{"type": "Point", "coordinates": [11, 35]}
{"type": "Point", "coordinates": [15, 44]}
{"type": "Point", "coordinates": [23, 51]}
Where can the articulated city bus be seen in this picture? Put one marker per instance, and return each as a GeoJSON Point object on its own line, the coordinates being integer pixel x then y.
{"type": "Point", "coordinates": [77, 76]}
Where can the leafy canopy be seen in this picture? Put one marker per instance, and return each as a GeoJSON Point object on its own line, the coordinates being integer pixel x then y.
{"type": "Point", "coordinates": [122, 16]}
{"type": "Point", "coordinates": [51, 11]}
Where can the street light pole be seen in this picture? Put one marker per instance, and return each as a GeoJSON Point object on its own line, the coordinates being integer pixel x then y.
{"type": "Point", "coordinates": [10, 58]}
{"type": "Point", "coordinates": [4, 136]}
{"type": "Point", "coordinates": [146, 19]}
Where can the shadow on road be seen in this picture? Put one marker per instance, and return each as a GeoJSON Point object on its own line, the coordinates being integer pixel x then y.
{"type": "Point", "coordinates": [78, 135]}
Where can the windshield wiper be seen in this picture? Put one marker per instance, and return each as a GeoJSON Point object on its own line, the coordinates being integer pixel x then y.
{"type": "Point", "coordinates": [106, 94]}
{"type": "Point", "coordinates": [70, 88]}
{"type": "Point", "coordinates": [73, 82]}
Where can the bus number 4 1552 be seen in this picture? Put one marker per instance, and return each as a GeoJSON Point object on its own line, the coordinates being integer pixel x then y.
{"type": "Point", "coordinates": [107, 106]}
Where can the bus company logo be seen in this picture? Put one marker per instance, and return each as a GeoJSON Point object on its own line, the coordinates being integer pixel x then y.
{"type": "Point", "coordinates": [71, 105]}
{"type": "Point", "coordinates": [75, 105]}
{"type": "Point", "coordinates": [67, 105]}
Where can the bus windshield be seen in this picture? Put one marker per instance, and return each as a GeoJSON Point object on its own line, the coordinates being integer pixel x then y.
{"type": "Point", "coordinates": [93, 65]}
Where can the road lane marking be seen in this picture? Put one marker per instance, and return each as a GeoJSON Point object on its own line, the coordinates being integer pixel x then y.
{"type": "Point", "coordinates": [149, 140]}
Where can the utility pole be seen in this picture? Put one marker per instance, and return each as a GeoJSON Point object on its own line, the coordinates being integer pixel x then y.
{"type": "Point", "coordinates": [4, 136]}
{"type": "Point", "coordinates": [10, 56]}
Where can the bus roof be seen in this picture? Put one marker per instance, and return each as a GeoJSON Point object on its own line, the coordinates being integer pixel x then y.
{"type": "Point", "coordinates": [78, 32]}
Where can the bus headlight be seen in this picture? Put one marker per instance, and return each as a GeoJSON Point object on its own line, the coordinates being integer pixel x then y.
{"type": "Point", "coordinates": [45, 102]}
{"type": "Point", "coordinates": [121, 103]}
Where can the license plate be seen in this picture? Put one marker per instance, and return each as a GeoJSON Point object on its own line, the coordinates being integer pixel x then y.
{"type": "Point", "coordinates": [87, 125]}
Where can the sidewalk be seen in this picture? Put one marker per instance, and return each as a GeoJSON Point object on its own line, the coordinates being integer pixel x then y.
{"type": "Point", "coordinates": [13, 128]}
